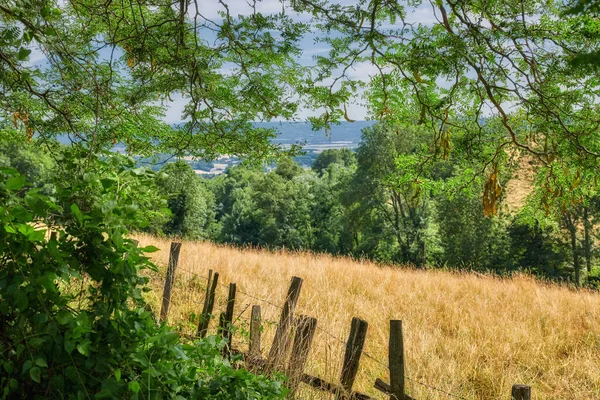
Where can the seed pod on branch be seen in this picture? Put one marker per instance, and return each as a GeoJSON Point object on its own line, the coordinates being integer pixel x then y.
{"type": "Point", "coordinates": [491, 194]}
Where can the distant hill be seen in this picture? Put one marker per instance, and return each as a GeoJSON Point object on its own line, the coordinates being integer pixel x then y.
{"type": "Point", "coordinates": [346, 134]}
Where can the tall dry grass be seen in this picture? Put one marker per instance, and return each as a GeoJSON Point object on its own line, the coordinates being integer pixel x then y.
{"type": "Point", "coordinates": [469, 335]}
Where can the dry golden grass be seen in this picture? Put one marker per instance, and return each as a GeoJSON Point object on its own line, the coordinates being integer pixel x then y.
{"type": "Point", "coordinates": [470, 335]}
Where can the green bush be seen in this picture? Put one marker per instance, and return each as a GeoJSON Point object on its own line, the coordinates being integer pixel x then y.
{"type": "Point", "coordinates": [72, 318]}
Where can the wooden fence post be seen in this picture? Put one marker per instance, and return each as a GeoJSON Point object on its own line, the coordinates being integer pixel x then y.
{"type": "Point", "coordinates": [228, 316]}
{"type": "Point", "coordinates": [305, 331]}
{"type": "Point", "coordinates": [521, 392]}
{"type": "Point", "coordinates": [170, 280]}
{"type": "Point", "coordinates": [255, 321]}
{"type": "Point", "coordinates": [209, 303]}
{"type": "Point", "coordinates": [354, 348]}
{"type": "Point", "coordinates": [396, 361]}
{"type": "Point", "coordinates": [281, 342]}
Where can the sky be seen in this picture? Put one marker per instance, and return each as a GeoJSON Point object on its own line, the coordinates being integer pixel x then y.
{"type": "Point", "coordinates": [356, 109]}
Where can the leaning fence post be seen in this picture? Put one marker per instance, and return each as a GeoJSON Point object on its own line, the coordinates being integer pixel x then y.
{"type": "Point", "coordinates": [354, 348]}
{"type": "Point", "coordinates": [255, 321]}
{"type": "Point", "coordinates": [521, 392]}
{"type": "Point", "coordinates": [228, 316]}
{"type": "Point", "coordinates": [209, 303]}
{"type": "Point", "coordinates": [396, 361]}
{"type": "Point", "coordinates": [170, 280]}
{"type": "Point", "coordinates": [305, 331]}
{"type": "Point", "coordinates": [281, 342]}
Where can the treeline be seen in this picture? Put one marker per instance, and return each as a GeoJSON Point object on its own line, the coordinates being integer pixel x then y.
{"type": "Point", "coordinates": [365, 204]}
{"type": "Point", "coordinates": [357, 204]}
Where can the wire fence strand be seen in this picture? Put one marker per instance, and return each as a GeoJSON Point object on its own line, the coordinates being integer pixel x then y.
{"type": "Point", "coordinates": [366, 354]}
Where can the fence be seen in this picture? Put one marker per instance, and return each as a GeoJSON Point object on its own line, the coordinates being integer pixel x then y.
{"type": "Point", "coordinates": [293, 340]}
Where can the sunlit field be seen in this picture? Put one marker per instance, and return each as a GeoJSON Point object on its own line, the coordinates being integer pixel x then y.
{"type": "Point", "coordinates": [470, 335]}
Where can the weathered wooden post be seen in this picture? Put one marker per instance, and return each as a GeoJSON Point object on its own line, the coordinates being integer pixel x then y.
{"type": "Point", "coordinates": [521, 392]}
{"type": "Point", "coordinates": [209, 303]}
{"type": "Point", "coordinates": [281, 342]}
{"type": "Point", "coordinates": [170, 280]}
{"type": "Point", "coordinates": [226, 331]}
{"type": "Point", "coordinates": [354, 348]}
{"type": "Point", "coordinates": [255, 328]}
{"type": "Point", "coordinates": [396, 361]}
{"type": "Point", "coordinates": [305, 331]}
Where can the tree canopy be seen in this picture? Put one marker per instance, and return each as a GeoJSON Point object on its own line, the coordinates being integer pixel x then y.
{"type": "Point", "coordinates": [472, 72]}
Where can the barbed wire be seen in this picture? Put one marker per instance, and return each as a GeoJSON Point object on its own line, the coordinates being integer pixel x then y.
{"type": "Point", "coordinates": [366, 354]}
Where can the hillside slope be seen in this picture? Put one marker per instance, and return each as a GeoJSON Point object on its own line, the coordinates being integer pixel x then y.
{"type": "Point", "coordinates": [470, 335]}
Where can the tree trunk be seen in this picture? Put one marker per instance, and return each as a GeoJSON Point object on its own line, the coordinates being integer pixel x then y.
{"type": "Point", "coordinates": [587, 240]}
{"type": "Point", "coordinates": [576, 264]}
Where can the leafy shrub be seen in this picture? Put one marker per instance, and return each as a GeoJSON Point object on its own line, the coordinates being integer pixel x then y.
{"type": "Point", "coordinates": [72, 317]}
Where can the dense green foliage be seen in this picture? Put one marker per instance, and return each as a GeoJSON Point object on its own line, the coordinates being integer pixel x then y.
{"type": "Point", "coordinates": [366, 205]}
{"type": "Point", "coordinates": [73, 322]}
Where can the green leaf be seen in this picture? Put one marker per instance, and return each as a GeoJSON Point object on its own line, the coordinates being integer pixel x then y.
{"type": "Point", "coordinates": [15, 182]}
{"type": "Point", "coordinates": [27, 365]}
{"type": "Point", "coordinates": [37, 236]}
{"type": "Point", "coordinates": [149, 249]}
{"type": "Point", "coordinates": [27, 36]}
{"type": "Point", "coordinates": [64, 317]}
{"type": "Point", "coordinates": [69, 346]}
{"type": "Point", "coordinates": [118, 374]}
{"type": "Point", "coordinates": [26, 230]}
{"type": "Point", "coordinates": [134, 386]}
{"type": "Point", "coordinates": [21, 300]}
{"type": "Point", "coordinates": [108, 206]}
{"type": "Point", "coordinates": [47, 281]}
{"type": "Point", "coordinates": [108, 182]}
{"type": "Point", "coordinates": [25, 75]}
{"type": "Point", "coordinates": [77, 212]}
{"type": "Point", "coordinates": [23, 53]}
{"type": "Point", "coordinates": [35, 374]}
{"type": "Point", "coordinates": [40, 362]}
{"type": "Point", "coordinates": [8, 366]}
{"type": "Point", "coordinates": [84, 347]}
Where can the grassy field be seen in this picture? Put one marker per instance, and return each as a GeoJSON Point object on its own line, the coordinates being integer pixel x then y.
{"type": "Point", "coordinates": [470, 335]}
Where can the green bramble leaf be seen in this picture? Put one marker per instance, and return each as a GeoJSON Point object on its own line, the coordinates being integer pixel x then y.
{"type": "Point", "coordinates": [149, 249]}
{"type": "Point", "coordinates": [134, 386]}
{"type": "Point", "coordinates": [35, 374]}
{"type": "Point", "coordinates": [84, 347]}
{"type": "Point", "coordinates": [40, 362]}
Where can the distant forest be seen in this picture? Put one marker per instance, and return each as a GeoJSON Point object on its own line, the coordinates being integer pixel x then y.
{"type": "Point", "coordinates": [352, 203]}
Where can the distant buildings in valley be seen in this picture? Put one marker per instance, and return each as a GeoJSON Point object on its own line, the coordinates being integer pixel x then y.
{"type": "Point", "coordinates": [344, 135]}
